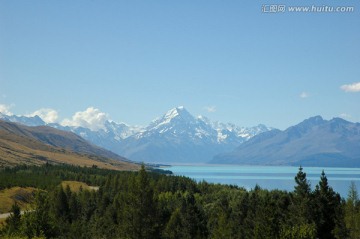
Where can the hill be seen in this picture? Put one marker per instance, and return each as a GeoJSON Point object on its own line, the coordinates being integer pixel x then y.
{"type": "Point", "coordinates": [57, 138]}
{"type": "Point", "coordinates": [313, 142]}
{"type": "Point", "coordinates": [37, 145]}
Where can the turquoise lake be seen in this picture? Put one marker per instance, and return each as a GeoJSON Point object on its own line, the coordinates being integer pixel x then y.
{"type": "Point", "coordinates": [269, 177]}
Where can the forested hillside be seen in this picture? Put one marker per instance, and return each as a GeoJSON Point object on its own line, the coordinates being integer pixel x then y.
{"type": "Point", "coordinates": [151, 205]}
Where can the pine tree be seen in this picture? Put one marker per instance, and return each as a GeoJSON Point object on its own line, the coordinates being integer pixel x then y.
{"type": "Point", "coordinates": [222, 228]}
{"type": "Point", "coordinates": [61, 204]}
{"type": "Point", "coordinates": [40, 222]}
{"type": "Point", "coordinates": [176, 228]}
{"type": "Point", "coordinates": [302, 200]}
{"type": "Point", "coordinates": [330, 221]}
{"type": "Point", "coordinates": [139, 209]}
{"type": "Point", "coordinates": [352, 212]}
{"type": "Point", "coordinates": [14, 220]}
{"type": "Point", "coordinates": [302, 188]}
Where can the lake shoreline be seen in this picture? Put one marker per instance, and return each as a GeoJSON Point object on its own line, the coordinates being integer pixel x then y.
{"type": "Point", "coordinates": [267, 177]}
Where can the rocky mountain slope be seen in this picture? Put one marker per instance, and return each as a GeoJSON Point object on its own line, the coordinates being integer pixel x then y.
{"type": "Point", "coordinates": [313, 142]}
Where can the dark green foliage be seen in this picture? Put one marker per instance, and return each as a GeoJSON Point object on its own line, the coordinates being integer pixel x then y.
{"type": "Point", "coordinates": [13, 221]}
{"type": "Point", "coordinates": [49, 176]}
{"type": "Point", "coordinates": [328, 211]}
{"type": "Point", "coordinates": [301, 221]}
{"type": "Point", "coordinates": [302, 188]}
{"type": "Point", "coordinates": [139, 208]}
{"type": "Point", "coordinates": [352, 212]}
{"type": "Point", "coordinates": [149, 205]}
{"type": "Point", "coordinates": [302, 231]}
{"type": "Point", "coordinates": [41, 221]}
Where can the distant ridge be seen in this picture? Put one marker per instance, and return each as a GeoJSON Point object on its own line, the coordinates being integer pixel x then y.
{"type": "Point", "coordinates": [25, 120]}
{"type": "Point", "coordinates": [313, 142]}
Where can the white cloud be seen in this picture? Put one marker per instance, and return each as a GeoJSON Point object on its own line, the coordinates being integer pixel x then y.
{"type": "Point", "coordinates": [354, 87]}
{"type": "Point", "coordinates": [304, 95]}
{"type": "Point", "coordinates": [46, 114]}
{"type": "Point", "coordinates": [210, 109]}
{"type": "Point", "coordinates": [91, 118]}
{"type": "Point", "coordinates": [5, 109]}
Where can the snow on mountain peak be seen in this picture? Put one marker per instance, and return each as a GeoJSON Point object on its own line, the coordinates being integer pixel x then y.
{"type": "Point", "coordinates": [178, 114]}
{"type": "Point", "coordinates": [178, 122]}
{"type": "Point", "coordinates": [25, 120]}
{"type": "Point", "coordinates": [172, 113]}
{"type": "Point", "coordinates": [178, 111]}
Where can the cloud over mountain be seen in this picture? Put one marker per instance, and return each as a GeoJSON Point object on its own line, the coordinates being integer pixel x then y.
{"type": "Point", "coordinates": [5, 109]}
{"type": "Point", "coordinates": [91, 118]}
{"type": "Point", "coordinates": [46, 114]}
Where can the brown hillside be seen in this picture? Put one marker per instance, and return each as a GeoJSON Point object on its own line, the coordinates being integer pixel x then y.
{"type": "Point", "coordinates": [19, 146]}
{"type": "Point", "coordinates": [57, 138]}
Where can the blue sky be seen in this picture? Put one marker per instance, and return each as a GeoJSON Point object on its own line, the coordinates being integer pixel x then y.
{"type": "Point", "coordinates": [134, 60]}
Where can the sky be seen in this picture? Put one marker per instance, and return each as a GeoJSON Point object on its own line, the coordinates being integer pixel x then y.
{"type": "Point", "coordinates": [131, 61]}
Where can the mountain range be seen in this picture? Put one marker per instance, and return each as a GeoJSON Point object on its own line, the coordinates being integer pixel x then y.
{"type": "Point", "coordinates": [313, 142]}
{"type": "Point", "coordinates": [177, 136]}
{"type": "Point", "coordinates": [180, 137]}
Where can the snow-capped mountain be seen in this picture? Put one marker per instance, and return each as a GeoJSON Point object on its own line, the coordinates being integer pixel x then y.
{"type": "Point", "coordinates": [177, 136]}
{"type": "Point", "coordinates": [25, 120]}
{"type": "Point", "coordinates": [108, 137]}
{"type": "Point", "coordinates": [178, 122]}
{"type": "Point", "coordinates": [226, 131]}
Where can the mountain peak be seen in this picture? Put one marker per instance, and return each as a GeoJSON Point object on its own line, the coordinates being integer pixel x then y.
{"type": "Point", "coordinates": [178, 112]}
{"type": "Point", "coordinates": [175, 112]}
{"type": "Point", "coordinates": [316, 118]}
{"type": "Point", "coordinates": [312, 121]}
{"type": "Point", "coordinates": [339, 120]}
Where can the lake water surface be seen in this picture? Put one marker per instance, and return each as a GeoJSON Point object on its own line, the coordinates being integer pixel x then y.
{"type": "Point", "coordinates": [269, 177]}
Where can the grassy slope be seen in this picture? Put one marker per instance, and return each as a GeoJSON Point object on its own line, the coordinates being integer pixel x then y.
{"type": "Point", "coordinates": [75, 186]}
{"type": "Point", "coordinates": [57, 138]}
{"type": "Point", "coordinates": [22, 196]}
{"type": "Point", "coordinates": [15, 149]}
